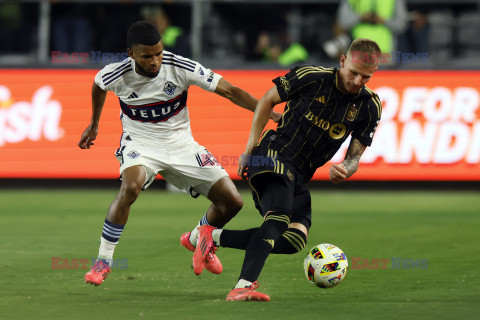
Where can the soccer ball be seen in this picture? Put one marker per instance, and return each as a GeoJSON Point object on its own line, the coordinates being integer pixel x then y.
{"type": "Point", "coordinates": [325, 265]}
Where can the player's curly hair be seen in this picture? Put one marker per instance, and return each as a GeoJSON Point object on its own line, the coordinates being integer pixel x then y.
{"type": "Point", "coordinates": [142, 32]}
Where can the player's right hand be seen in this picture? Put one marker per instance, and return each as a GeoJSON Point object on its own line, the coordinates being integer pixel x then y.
{"type": "Point", "coordinates": [275, 116]}
{"type": "Point", "coordinates": [338, 173]}
{"type": "Point", "coordinates": [88, 136]}
{"type": "Point", "coordinates": [243, 165]}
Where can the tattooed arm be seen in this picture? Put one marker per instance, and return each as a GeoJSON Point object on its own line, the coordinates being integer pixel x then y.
{"type": "Point", "coordinates": [352, 158]}
{"type": "Point", "coordinates": [344, 170]}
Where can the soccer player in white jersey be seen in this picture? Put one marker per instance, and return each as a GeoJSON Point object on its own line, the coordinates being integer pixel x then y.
{"type": "Point", "coordinates": [152, 88]}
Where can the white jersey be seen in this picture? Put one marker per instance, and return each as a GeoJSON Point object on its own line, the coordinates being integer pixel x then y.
{"type": "Point", "coordinates": [155, 109]}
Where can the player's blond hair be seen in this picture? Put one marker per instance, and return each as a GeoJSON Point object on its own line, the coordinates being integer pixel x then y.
{"type": "Point", "coordinates": [365, 51]}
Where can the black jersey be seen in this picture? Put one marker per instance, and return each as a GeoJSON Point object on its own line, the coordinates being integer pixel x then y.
{"type": "Point", "coordinates": [318, 117]}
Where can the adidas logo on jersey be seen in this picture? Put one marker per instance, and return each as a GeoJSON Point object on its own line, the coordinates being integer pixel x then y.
{"type": "Point", "coordinates": [132, 96]}
{"type": "Point", "coordinates": [320, 99]}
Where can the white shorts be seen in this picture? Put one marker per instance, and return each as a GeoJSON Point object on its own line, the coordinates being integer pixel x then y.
{"type": "Point", "coordinates": [190, 168]}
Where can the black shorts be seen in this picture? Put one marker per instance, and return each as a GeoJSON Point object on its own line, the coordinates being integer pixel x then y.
{"type": "Point", "coordinates": [275, 186]}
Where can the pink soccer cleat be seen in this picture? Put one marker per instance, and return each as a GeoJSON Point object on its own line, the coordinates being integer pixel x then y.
{"type": "Point", "coordinates": [98, 272]}
{"type": "Point", "coordinates": [185, 241]}
{"type": "Point", "coordinates": [247, 294]}
{"type": "Point", "coordinates": [205, 249]}
{"type": "Point", "coordinates": [212, 263]}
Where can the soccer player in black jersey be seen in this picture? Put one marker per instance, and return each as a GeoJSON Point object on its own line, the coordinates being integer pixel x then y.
{"type": "Point", "coordinates": [324, 106]}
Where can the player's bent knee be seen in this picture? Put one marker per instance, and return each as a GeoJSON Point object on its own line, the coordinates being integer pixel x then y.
{"type": "Point", "coordinates": [231, 205]}
{"type": "Point", "coordinates": [236, 203]}
{"type": "Point", "coordinates": [225, 197]}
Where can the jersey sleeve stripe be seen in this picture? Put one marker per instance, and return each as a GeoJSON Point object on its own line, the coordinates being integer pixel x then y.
{"type": "Point", "coordinates": [316, 71]}
{"type": "Point", "coordinates": [306, 70]}
{"type": "Point", "coordinates": [183, 63]}
{"type": "Point", "coordinates": [190, 63]}
{"type": "Point", "coordinates": [375, 100]}
{"type": "Point", "coordinates": [117, 77]}
{"type": "Point", "coordinates": [379, 105]}
{"type": "Point", "coordinates": [325, 69]}
{"type": "Point", "coordinates": [178, 65]}
{"type": "Point", "coordinates": [112, 75]}
{"type": "Point", "coordinates": [172, 56]}
{"type": "Point", "coordinates": [118, 69]}
{"type": "Point", "coordinates": [319, 68]}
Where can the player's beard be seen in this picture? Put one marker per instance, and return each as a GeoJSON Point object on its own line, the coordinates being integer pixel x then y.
{"type": "Point", "coordinates": [144, 72]}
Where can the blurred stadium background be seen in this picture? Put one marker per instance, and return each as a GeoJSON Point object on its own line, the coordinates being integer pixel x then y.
{"type": "Point", "coordinates": [429, 138]}
{"type": "Point", "coordinates": [52, 49]}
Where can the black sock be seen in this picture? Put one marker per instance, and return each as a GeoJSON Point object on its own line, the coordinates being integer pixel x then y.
{"type": "Point", "coordinates": [237, 239]}
{"type": "Point", "coordinates": [260, 245]}
{"type": "Point", "coordinates": [291, 241]}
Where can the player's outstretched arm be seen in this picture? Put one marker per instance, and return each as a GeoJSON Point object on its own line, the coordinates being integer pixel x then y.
{"type": "Point", "coordinates": [344, 170]}
{"type": "Point", "coordinates": [90, 133]}
{"type": "Point", "coordinates": [241, 98]}
{"type": "Point", "coordinates": [260, 120]}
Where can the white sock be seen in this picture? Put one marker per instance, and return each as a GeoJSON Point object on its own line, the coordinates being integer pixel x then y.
{"type": "Point", "coordinates": [106, 250]}
{"type": "Point", "coordinates": [216, 236]}
{"type": "Point", "coordinates": [194, 236]}
{"type": "Point", "coordinates": [243, 284]}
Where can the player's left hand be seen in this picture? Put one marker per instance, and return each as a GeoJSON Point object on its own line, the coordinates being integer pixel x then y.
{"type": "Point", "coordinates": [338, 173]}
{"type": "Point", "coordinates": [275, 116]}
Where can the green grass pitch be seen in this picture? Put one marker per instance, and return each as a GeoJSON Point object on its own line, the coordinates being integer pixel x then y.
{"type": "Point", "coordinates": [442, 227]}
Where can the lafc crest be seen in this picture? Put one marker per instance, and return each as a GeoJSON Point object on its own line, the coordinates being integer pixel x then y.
{"type": "Point", "coordinates": [352, 113]}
